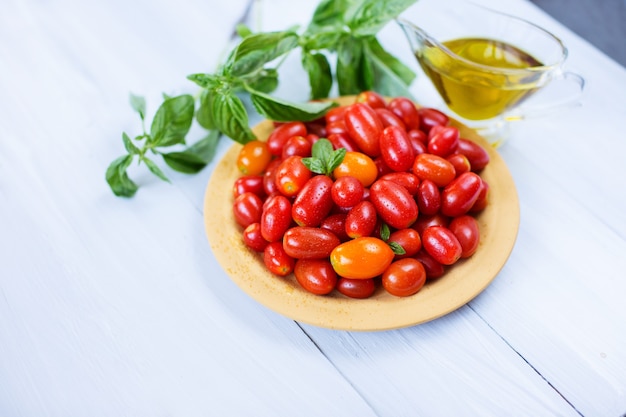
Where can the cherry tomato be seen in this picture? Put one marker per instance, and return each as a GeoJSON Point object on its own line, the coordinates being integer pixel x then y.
{"type": "Point", "coordinates": [433, 268]}
{"type": "Point", "coordinates": [364, 127]}
{"type": "Point", "coordinates": [316, 129]}
{"type": "Point", "coordinates": [389, 118]}
{"type": "Point", "coordinates": [396, 149]}
{"type": "Point", "coordinates": [430, 117]}
{"type": "Point", "coordinates": [277, 260]}
{"type": "Point", "coordinates": [253, 238]}
{"type": "Point", "coordinates": [247, 209]}
{"type": "Point", "coordinates": [291, 176]}
{"type": "Point", "coordinates": [460, 162]}
{"type": "Point", "coordinates": [428, 198]}
{"type": "Point", "coordinates": [297, 145]}
{"type": "Point", "coordinates": [361, 258]}
{"type": "Point", "coordinates": [465, 228]}
{"type": "Point", "coordinates": [477, 155]}
{"type": "Point", "coordinates": [404, 277]}
{"type": "Point", "coordinates": [338, 127]}
{"type": "Point", "coordinates": [425, 221]}
{"type": "Point", "coordinates": [407, 112]}
{"type": "Point", "coordinates": [253, 158]}
{"type": "Point", "coordinates": [269, 177]}
{"type": "Point", "coordinates": [282, 133]}
{"type": "Point", "coordinates": [276, 218]}
{"type": "Point", "coordinates": [394, 204]}
{"type": "Point", "coordinates": [304, 242]}
{"type": "Point", "coordinates": [361, 220]}
{"type": "Point", "coordinates": [315, 275]}
{"type": "Point", "coordinates": [405, 179]}
{"type": "Point", "coordinates": [372, 99]}
{"type": "Point", "coordinates": [347, 191]}
{"type": "Point", "coordinates": [483, 198]}
{"type": "Point", "coordinates": [334, 114]}
{"type": "Point", "coordinates": [336, 223]}
{"type": "Point", "coordinates": [249, 183]}
{"type": "Point", "coordinates": [314, 202]}
{"type": "Point", "coordinates": [419, 136]}
{"type": "Point", "coordinates": [359, 166]}
{"type": "Point", "coordinates": [434, 168]}
{"type": "Point", "coordinates": [441, 244]}
{"type": "Point", "coordinates": [444, 141]}
{"type": "Point", "coordinates": [409, 239]}
{"type": "Point", "coordinates": [342, 140]}
{"type": "Point", "coordinates": [356, 288]}
{"type": "Point", "coordinates": [459, 196]}
{"type": "Point", "coordinates": [382, 167]}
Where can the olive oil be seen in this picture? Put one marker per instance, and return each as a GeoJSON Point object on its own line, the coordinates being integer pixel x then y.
{"type": "Point", "coordinates": [474, 91]}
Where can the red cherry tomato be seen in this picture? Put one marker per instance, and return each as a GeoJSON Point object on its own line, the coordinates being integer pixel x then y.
{"type": "Point", "coordinates": [459, 196]}
{"type": "Point", "coordinates": [364, 127]}
{"type": "Point", "coordinates": [428, 198]}
{"type": "Point", "coordinates": [336, 223]}
{"type": "Point", "coordinates": [441, 244]}
{"type": "Point", "coordinates": [297, 145]}
{"type": "Point", "coordinates": [356, 288]}
{"type": "Point", "coordinates": [347, 191]}
{"type": "Point", "coordinates": [434, 168]}
{"type": "Point", "coordinates": [315, 275]}
{"type": "Point", "coordinates": [409, 239]}
{"type": "Point", "coordinates": [282, 133]}
{"type": "Point", "coordinates": [269, 177]}
{"type": "Point", "coordinates": [430, 117]}
{"type": "Point", "coordinates": [389, 118]}
{"type": "Point", "coordinates": [276, 259]}
{"type": "Point", "coordinates": [460, 162]}
{"type": "Point", "coordinates": [338, 127]}
{"type": "Point", "coordinates": [423, 222]}
{"type": "Point", "coordinates": [291, 176]}
{"type": "Point", "coordinates": [483, 198]}
{"type": "Point", "coordinates": [372, 99]}
{"type": "Point", "coordinates": [444, 141]}
{"type": "Point", "coordinates": [314, 202]}
{"type": "Point", "coordinates": [404, 277]}
{"type": "Point", "coordinates": [247, 209]}
{"type": "Point", "coordinates": [253, 238]}
{"type": "Point", "coordinates": [407, 112]}
{"type": "Point", "coordinates": [465, 228]}
{"type": "Point", "coordinates": [361, 220]}
{"type": "Point", "coordinates": [342, 140]}
{"type": "Point", "coordinates": [394, 204]}
{"type": "Point", "coordinates": [334, 114]}
{"type": "Point", "coordinates": [249, 183]}
{"type": "Point", "coordinates": [405, 179]}
{"type": "Point", "coordinates": [396, 149]}
{"type": "Point", "coordinates": [433, 268]}
{"type": "Point", "coordinates": [276, 218]}
{"type": "Point", "coordinates": [477, 155]}
{"type": "Point", "coordinates": [303, 242]}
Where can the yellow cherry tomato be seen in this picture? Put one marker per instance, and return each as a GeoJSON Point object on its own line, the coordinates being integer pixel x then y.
{"type": "Point", "coordinates": [359, 166]}
{"type": "Point", "coordinates": [361, 258]}
{"type": "Point", "coordinates": [253, 158]}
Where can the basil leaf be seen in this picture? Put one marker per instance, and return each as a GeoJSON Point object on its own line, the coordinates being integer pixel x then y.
{"type": "Point", "coordinates": [194, 158]}
{"type": "Point", "coordinates": [324, 159]}
{"type": "Point", "coordinates": [384, 231]}
{"type": "Point", "coordinates": [336, 159]}
{"type": "Point", "coordinates": [386, 81]}
{"type": "Point", "coordinates": [396, 248]}
{"type": "Point", "coordinates": [394, 64]}
{"type": "Point", "coordinates": [172, 121]}
{"type": "Point", "coordinates": [349, 52]}
{"type": "Point", "coordinates": [138, 104]}
{"type": "Point", "coordinates": [320, 75]}
{"type": "Point", "coordinates": [329, 13]}
{"type": "Point", "coordinates": [117, 177]}
{"type": "Point", "coordinates": [230, 116]}
{"type": "Point", "coordinates": [314, 165]}
{"type": "Point", "coordinates": [243, 30]}
{"type": "Point", "coordinates": [203, 80]}
{"type": "Point", "coordinates": [204, 115]}
{"type": "Point", "coordinates": [322, 149]}
{"type": "Point", "coordinates": [154, 168]}
{"type": "Point", "coordinates": [256, 50]}
{"type": "Point", "coordinates": [370, 17]}
{"type": "Point", "coordinates": [284, 111]}
{"type": "Point", "coordinates": [129, 145]}
{"type": "Point", "coordinates": [323, 39]}
{"type": "Point", "coordinates": [366, 71]}
{"type": "Point", "coordinates": [266, 81]}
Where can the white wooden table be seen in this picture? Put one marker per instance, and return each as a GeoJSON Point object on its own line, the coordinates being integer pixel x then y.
{"type": "Point", "coordinates": [117, 307]}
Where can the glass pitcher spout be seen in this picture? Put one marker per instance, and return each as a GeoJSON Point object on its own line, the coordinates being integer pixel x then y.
{"type": "Point", "coordinates": [417, 37]}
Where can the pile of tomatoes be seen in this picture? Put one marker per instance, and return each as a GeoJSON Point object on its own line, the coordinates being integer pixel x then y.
{"type": "Point", "coordinates": [391, 203]}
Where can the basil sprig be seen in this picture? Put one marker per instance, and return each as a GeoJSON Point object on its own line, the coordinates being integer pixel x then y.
{"type": "Point", "coordinates": [341, 29]}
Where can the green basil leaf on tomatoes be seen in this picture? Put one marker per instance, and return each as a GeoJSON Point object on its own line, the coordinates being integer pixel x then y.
{"type": "Point", "coordinates": [396, 248]}
{"type": "Point", "coordinates": [230, 116]}
{"type": "Point", "coordinates": [281, 110]}
{"type": "Point", "coordinates": [172, 121]}
{"type": "Point", "coordinates": [257, 50]}
{"type": "Point", "coordinates": [324, 159]}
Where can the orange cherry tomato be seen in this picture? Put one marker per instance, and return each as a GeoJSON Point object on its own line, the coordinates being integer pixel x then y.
{"type": "Point", "coordinates": [359, 166]}
{"type": "Point", "coordinates": [361, 258]}
{"type": "Point", "coordinates": [404, 277]}
{"type": "Point", "coordinates": [253, 158]}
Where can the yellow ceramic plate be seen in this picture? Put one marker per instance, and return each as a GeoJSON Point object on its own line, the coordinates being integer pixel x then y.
{"type": "Point", "coordinates": [498, 224]}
